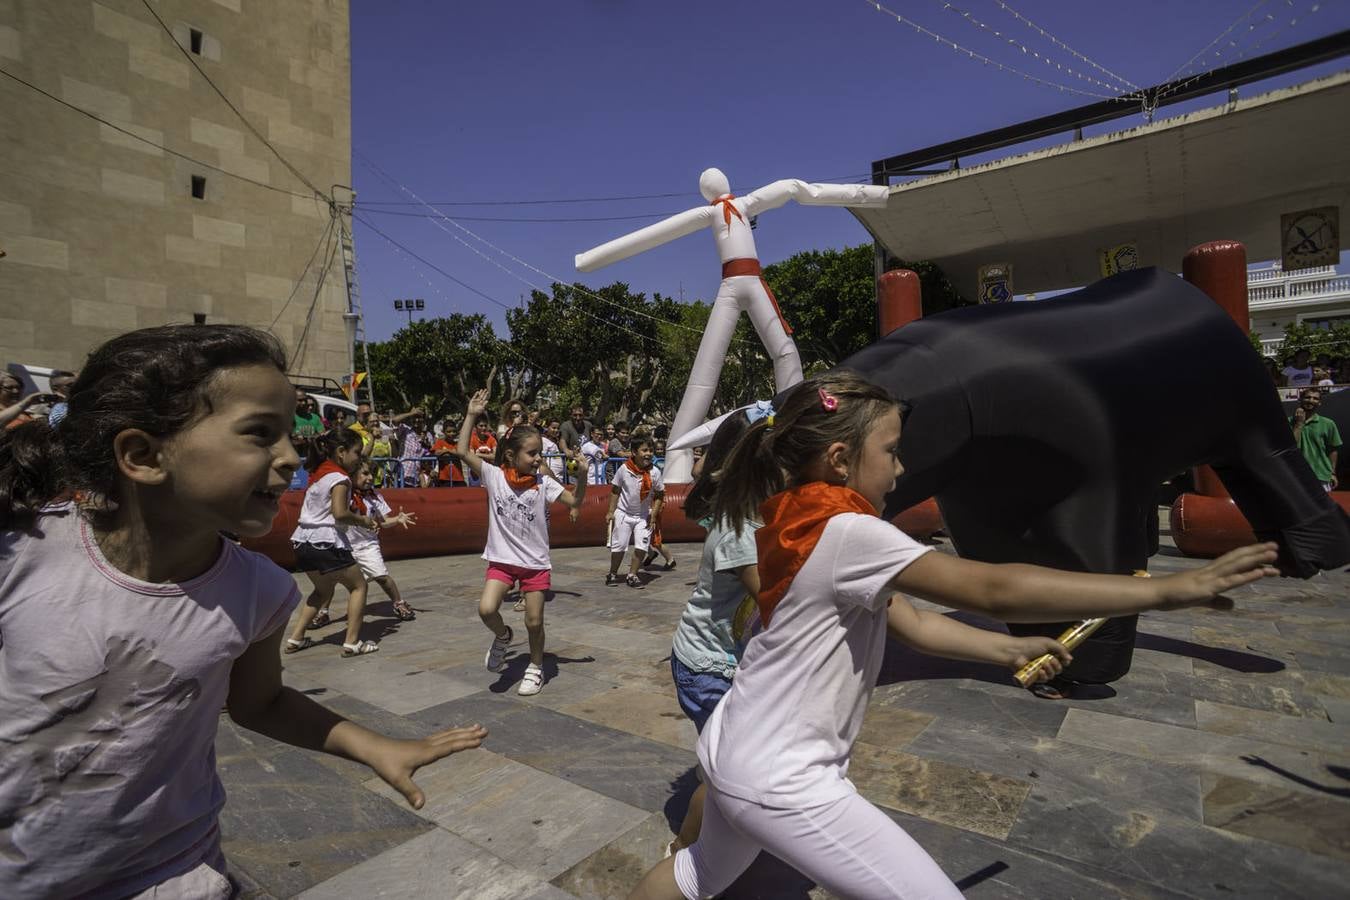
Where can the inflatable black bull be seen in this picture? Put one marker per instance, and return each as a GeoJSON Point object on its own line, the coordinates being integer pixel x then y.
{"type": "Point", "coordinates": [1044, 429]}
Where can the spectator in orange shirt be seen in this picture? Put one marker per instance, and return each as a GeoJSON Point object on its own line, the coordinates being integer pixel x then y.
{"type": "Point", "coordinates": [483, 443]}
{"type": "Point", "coordinates": [445, 452]}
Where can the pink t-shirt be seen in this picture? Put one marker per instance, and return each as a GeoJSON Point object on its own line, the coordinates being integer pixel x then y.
{"type": "Point", "coordinates": [110, 691]}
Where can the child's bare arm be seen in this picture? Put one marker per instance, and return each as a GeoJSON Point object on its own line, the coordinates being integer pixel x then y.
{"type": "Point", "coordinates": [477, 406]}
{"type": "Point", "coordinates": [1021, 593]}
{"type": "Point", "coordinates": [343, 514]}
{"type": "Point", "coordinates": [658, 503]}
{"type": "Point", "coordinates": [749, 576]}
{"type": "Point", "coordinates": [938, 635]}
{"type": "Point", "coordinates": [258, 701]}
{"type": "Point", "coordinates": [613, 502]}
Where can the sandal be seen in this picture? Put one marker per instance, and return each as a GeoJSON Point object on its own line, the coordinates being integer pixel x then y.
{"type": "Point", "coordinates": [670, 566]}
{"type": "Point", "coordinates": [404, 611]}
{"type": "Point", "coordinates": [532, 681]}
{"type": "Point", "coordinates": [294, 646]}
{"type": "Point", "coordinates": [520, 605]}
{"type": "Point", "coordinates": [634, 582]}
{"type": "Point", "coordinates": [1054, 689]}
{"type": "Point", "coordinates": [320, 619]}
{"type": "Point", "coordinates": [360, 648]}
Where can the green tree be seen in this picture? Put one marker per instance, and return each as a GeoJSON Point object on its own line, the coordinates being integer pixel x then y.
{"type": "Point", "coordinates": [436, 363]}
{"type": "Point", "coordinates": [608, 348]}
{"type": "Point", "coordinates": [1334, 341]}
{"type": "Point", "coordinates": [829, 299]}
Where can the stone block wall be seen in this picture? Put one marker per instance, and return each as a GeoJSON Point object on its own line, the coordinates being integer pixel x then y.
{"type": "Point", "coordinates": [101, 230]}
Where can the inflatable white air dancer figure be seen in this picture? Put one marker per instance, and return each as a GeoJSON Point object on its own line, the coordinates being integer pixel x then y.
{"type": "Point", "coordinates": [742, 287]}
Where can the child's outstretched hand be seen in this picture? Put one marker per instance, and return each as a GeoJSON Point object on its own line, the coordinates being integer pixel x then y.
{"type": "Point", "coordinates": [1205, 586]}
{"type": "Point", "coordinates": [1022, 650]}
{"type": "Point", "coordinates": [404, 518]}
{"type": "Point", "coordinates": [395, 761]}
{"type": "Point", "coordinates": [478, 403]}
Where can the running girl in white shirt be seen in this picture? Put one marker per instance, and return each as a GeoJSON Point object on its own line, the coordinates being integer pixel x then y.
{"type": "Point", "coordinates": [128, 621]}
{"type": "Point", "coordinates": [323, 550]}
{"type": "Point", "coordinates": [636, 496]}
{"type": "Point", "coordinates": [776, 749]}
{"type": "Point", "coordinates": [366, 542]}
{"type": "Point", "coordinates": [517, 541]}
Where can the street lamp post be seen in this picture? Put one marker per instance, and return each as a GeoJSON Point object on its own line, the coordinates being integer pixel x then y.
{"type": "Point", "coordinates": [409, 306]}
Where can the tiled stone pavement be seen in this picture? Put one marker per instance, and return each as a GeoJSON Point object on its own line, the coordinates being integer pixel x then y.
{"type": "Point", "coordinates": [1219, 767]}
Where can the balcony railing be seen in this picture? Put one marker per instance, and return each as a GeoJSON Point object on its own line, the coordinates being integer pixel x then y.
{"type": "Point", "coordinates": [1274, 286]}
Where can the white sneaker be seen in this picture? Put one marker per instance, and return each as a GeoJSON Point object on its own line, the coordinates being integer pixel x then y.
{"type": "Point", "coordinates": [496, 654]}
{"type": "Point", "coordinates": [532, 682]}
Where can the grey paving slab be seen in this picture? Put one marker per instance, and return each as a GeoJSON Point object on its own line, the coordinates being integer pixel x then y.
{"type": "Point", "coordinates": [1215, 768]}
{"type": "Point", "coordinates": [540, 823]}
{"type": "Point", "coordinates": [434, 866]}
{"type": "Point", "coordinates": [1238, 756]}
{"type": "Point", "coordinates": [290, 824]}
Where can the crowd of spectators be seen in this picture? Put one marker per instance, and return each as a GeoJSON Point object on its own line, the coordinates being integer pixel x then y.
{"type": "Point", "coordinates": [409, 450]}
{"type": "Point", "coordinates": [1304, 370]}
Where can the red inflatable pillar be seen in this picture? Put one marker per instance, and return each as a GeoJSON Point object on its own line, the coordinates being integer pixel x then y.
{"type": "Point", "coordinates": [899, 300]}
{"type": "Point", "coordinates": [1219, 268]}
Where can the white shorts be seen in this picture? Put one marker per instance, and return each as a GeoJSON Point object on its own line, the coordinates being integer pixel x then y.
{"type": "Point", "coordinates": [626, 527]}
{"type": "Point", "coordinates": [370, 559]}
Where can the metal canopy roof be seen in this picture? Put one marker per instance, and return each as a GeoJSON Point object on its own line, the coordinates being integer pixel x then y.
{"type": "Point", "coordinates": [1227, 172]}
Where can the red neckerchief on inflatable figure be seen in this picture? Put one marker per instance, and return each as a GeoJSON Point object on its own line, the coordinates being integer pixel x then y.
{"type": "Point", "coordinates": [793, 523]}
{"type": "Point", "coordinates": [644, 474]}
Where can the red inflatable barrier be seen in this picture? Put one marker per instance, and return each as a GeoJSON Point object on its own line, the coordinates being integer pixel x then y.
{"type": "Point", "coordinates": [1207, 527]}
{"type": "Point", "coordinates": [454, 520]}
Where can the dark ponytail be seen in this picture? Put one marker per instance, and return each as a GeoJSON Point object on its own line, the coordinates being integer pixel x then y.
{"type": "Point", "coordinates": [156, 380]}
{"type": "Point", "coordinates": [839, 405]}
{"type": "Point", "coordinates": [698, 503]}
{"type": "Point", "coordinates": [325, 445]}
{"type": "Point", "coordinates": [512, 440]}
{"type": "Point", "coordinates": [30, 463]}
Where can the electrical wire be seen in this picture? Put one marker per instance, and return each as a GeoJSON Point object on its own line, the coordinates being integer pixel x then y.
{"type": "Point", "coordinates": [448, 302]}
{"type": "Point", "coordinates": [313, 304]}
{"type": "Point", "coordinates": [1058, 43]}
{"type": "Point", "coordinates": [549, 221]}
{"type": "Point", "coordinates": [132, 134]}
{"type": "Point", "coordinates": [1027, 51]}
{"type": "Point", "coordinates": [247, 124]}
{"type": "Point", "coordinates": [440, 217]}
{"type": "Point", "coordinates": [979, 57]}
{"type": "Point", "coordinates": [1223, 34]}
{"type": "Point", "coordinates": [1234, 45]}
{"type": "Point", "coordinates": [435, 268]}
{"type": "Point", "coordinates": [322, 245]}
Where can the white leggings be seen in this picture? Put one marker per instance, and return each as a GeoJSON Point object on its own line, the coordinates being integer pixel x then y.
{"type": "Point", "coordinates": [849, 847]}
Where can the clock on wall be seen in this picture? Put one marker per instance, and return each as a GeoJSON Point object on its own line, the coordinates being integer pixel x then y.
{"type": "Point", "coordinates": [1310, 237]}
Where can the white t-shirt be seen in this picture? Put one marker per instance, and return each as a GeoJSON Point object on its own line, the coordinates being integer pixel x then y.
{"type": "Point", "coordinates": [782, 734]}
{"type": "Point", "coordinates": [518, 522]}
{"type": "Point", "coordinates": [1298, 377]}
{"type": "Point", "coordinates": [317, 525]}
{"type": "Point", "coordinates": [598, 457]}
{"type": "Point", "coordinates": [552, 457]}
{"type": "Point", "coordinates": [377, 509]}
{"type": "Point", "coordinates": [630, 489]}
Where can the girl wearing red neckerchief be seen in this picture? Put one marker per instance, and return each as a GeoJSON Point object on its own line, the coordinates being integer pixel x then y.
{"type": "Point", "coordinates": [776, 749]}
{"type": "Point", "coordinates": [517, 543]}
{"type": "Point", "coordinates": [322, 548]}
{"type": "Point", "coordinates": [635, 499]}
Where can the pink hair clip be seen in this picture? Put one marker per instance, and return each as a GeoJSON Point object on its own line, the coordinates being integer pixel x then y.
{"type": "Point", "coordinates": [828, 401]}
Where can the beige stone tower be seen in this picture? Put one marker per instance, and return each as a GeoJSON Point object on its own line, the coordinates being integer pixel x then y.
{"type": "Point", "coordinates": [105, 233]}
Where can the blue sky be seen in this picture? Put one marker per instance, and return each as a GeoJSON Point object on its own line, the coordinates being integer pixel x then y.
{"type": "Point", "coordinates": [499, 102]}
